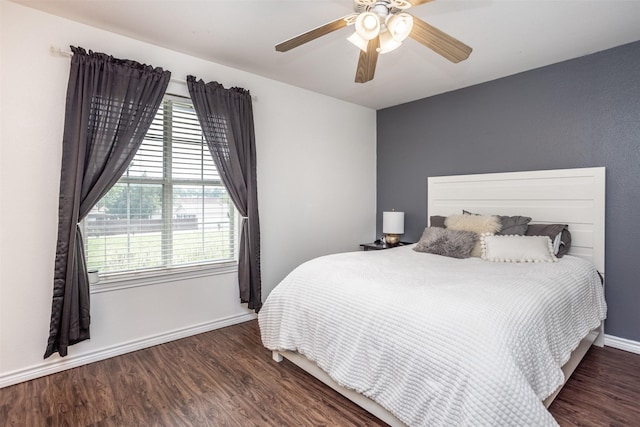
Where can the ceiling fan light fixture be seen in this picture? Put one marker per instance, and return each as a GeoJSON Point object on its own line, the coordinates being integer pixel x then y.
{"type": "Point", "coordinates": [380, 27]}
{"type": "Point", "coordinates": [400, 26]}
{"type": "Point", "coordinates": [387, 43]}
{"type": "Point", "coordinates": [358, 41]}
{"type": "Point", "coordinates": [368, 25]}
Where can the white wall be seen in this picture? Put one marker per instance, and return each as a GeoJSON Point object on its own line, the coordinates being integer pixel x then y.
{"type": "Point", "coordinates": [316, 189]}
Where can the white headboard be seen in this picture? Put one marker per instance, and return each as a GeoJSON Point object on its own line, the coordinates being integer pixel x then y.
{"type": "Point", "coordinates": [565, 196]}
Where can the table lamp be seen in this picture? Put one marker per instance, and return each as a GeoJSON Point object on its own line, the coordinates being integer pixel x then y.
{"type": "Point", "coordinates": [392, 227]}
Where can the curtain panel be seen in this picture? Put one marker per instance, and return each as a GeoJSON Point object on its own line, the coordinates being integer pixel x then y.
{"type": "Point", "coordinates": [226, 118]}
{"type": "Point", "coordinates": [109, 107]}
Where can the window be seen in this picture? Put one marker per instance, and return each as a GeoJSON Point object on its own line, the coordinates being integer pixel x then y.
{"type": "Point", "coordinates": [169, 209]}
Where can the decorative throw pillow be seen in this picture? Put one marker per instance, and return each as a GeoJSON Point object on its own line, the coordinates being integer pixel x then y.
{"type": "Point", "coordinates": [437, 221]}
{"type": "Point", "coordinates": [478, 224]}
{"type": "Point", "coordinates": [558, 233]}
{"type": "Point", "coordinates": [514, 225]}
{"type": "Point", "coordinates": [515, 248]}
{"type": "Point", "coordinates": [445, 242]}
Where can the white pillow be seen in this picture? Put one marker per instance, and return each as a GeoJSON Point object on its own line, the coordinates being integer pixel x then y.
{"type": "Point", "coordinates": [514, 248]}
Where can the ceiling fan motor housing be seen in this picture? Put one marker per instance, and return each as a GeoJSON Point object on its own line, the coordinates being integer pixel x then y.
{"type": "Point", "coordinates": [381, 9]}
{"type": "Point", "coordinates": [385, 7]}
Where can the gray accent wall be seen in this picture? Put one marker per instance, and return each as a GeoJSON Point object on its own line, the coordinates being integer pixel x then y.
{"type": "Point", "coordinates": [579, 113]}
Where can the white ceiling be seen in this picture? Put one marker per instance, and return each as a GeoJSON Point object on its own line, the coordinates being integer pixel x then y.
{"type": "Point", "coordinates": [507, 36]}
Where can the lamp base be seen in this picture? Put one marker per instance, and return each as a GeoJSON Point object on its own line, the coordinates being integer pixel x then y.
{"type": "Point", "coordinates": [392, 239]}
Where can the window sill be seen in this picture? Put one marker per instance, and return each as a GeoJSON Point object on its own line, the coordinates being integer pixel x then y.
{"type": "Point", "coordinates": [153, 277]}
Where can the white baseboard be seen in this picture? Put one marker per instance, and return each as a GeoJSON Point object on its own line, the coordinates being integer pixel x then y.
{"type": "Point", "coordinates": [622, 344]}
{"type": "Point", "coordinates": [48, 368]}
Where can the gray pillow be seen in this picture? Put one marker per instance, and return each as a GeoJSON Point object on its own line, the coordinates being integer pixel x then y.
{"type": "Point", "coordinates": [437, 221]}
{"type": "Point", "coordinates": [514, 225]}
{"type": "Point", "coordinates": [446, 242]}
{"type": "Point", "coordinates": [552, 230]}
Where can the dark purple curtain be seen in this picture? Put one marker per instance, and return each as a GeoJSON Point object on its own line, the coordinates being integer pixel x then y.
{"type": "Point", "coordinates": [226, 118]}
{"type": "Point", "coordinates": [110, 106]}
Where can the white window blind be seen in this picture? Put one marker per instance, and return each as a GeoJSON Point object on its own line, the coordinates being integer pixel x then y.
{"type": "Point", "coordinates": [169, 209]}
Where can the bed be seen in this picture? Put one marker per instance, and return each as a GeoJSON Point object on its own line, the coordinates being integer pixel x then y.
{"type": "Point", "coordinates": [421, 339]}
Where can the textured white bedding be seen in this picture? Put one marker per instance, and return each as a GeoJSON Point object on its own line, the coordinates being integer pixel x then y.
{"type": "Point", "coordinates": [438, 341]}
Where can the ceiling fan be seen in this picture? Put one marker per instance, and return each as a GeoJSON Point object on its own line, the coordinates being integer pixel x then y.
{"type": "Point", "coordinates": [380, 27]}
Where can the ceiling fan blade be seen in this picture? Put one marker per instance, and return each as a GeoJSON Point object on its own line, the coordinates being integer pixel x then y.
{"type": "Point", "coordinates": [441, 43]}
{"type": "Point", "coordinates": [367, 62]}
{"type": "Point", "coordinates": [314, 34]}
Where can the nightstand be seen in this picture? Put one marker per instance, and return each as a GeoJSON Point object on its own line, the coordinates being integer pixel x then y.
{"type": "Point", "coordinates": [378, 246]}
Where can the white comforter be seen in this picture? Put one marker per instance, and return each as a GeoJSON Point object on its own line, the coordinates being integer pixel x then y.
{"type": "Point", "coordinates": [438, 341]}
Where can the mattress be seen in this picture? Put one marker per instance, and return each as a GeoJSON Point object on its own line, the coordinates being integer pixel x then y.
{"type": "Point", "coordinates": [438, 341]}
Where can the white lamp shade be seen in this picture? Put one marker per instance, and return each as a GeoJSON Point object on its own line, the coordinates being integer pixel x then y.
{"type": "Point", "coordinates": [393, 222]}
{"type": "Point", "coordinates": [387, 43]}
{"type": "Point", "coordinates": [358, 41]}
{"type": "Point", "coordinates": [400, 26]}
{"type": "Point", "coordinates": [368, 25]}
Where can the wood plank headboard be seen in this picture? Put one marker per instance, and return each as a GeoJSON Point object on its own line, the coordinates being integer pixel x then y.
{"type": "Point", "coordinates": [564, 196]}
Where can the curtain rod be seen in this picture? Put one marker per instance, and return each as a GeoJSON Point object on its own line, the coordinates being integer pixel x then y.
{"type": "Point", "coordinates": [57, 51]}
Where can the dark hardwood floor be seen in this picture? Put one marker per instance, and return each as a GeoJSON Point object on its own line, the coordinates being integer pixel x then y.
{"type": "Point", "coordinates": [226, 378]}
